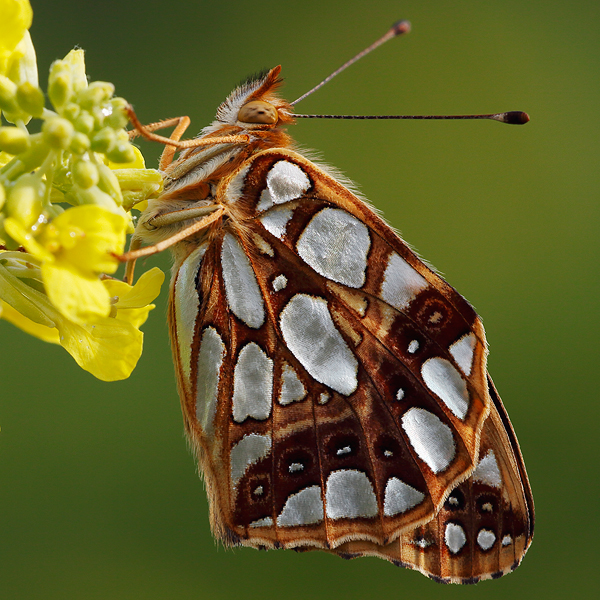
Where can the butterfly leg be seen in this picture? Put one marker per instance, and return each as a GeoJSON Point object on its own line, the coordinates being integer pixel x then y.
{"type": "Point", "coordinates": [209, 215]}
{"type": "Point", "coordinates": [173, 142]}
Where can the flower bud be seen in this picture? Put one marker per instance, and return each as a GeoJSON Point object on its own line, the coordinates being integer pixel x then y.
{"type": "Point", "coordinates": [24, 201]}
{"type": "Point", "coordinates": [121, 152]}
{"type": "Point", "coordinates": [103, 140]}
{"type": "Point", "coordinates": [84, 122]}
{"type": "Point", "coordinates": [85, 174]}
{"type": "Point", "coordinates": [30, 99]}
{"type": "Point", "coordinates": [118, 119]}
{"type": "Point", "coordinates": [58, 133]}
{"type": "Point", "coordinates": [60, 87]}
{"type": "Point", "coordinates": [14, 140]}
{"type": "Point", "coordinates": [95, 94]}
{"type": "Point", "coordinates": [8, 95]}
{"type": "Point", "coordinates": [70, 111]}
{"type": "Point", "coordinates": [80, 143]}
{"type": "Point", "coordinates": [110, 184]}
{"type": "Point", "coordinates": [99, 116]}
{"type": "Point", "coordinates": [94, 195]}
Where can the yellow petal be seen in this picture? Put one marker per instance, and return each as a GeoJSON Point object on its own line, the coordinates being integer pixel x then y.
{"type": "Point", "coordinates": [89, 235]}
{"type": "Point", "coordinates": [141, 294]}
{"type": "Point", "coordinates": [22, 64]}
{"type": "Point", "coordinates": [79, 298]}
{"type": "Point", "coordinates": [25, 238]}
{"type": "Point", "coordinates": [47, 334]}
{"type": "Point", "coordinates": [16, 20]}
{"type": "Point", "coordinates": [109, 349]}
{"type": "Point", "coordinates": [76, 61]}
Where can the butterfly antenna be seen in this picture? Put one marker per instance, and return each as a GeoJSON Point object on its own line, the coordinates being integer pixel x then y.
{"type": "Point", "coordinates": [513, 117]}
{"type": "Point", "coordinates": [396, 29]}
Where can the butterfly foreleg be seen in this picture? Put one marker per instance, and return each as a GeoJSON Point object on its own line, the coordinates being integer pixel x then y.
{"type": "Point", "coordinates": [208, 214]}
{"type": "Point", "coordinates": [180, 124]}
{"type": "Point", "coordinates": [173, 142]}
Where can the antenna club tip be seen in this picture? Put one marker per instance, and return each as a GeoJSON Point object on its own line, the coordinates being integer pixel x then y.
{"type": "Point", "coordinates": [516, 117]}
{"type": "Point", "coordinates": [400, 27]}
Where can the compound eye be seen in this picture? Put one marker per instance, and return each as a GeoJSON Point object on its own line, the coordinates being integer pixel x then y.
{"type": "Point", "coordinates": [258, 111]}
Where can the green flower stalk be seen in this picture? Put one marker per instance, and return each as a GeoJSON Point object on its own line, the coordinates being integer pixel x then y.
{"type": "Point", "coordinates": [66, 196]}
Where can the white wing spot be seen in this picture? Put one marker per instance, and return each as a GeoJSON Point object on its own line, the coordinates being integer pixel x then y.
{"type": "Point", "coordinates": [252, 384]}
{"type": "Point", "coordinates": [263, 246]}
{"type": "Point", "coordinates": [258, 491]}
{"type": "Point", "coordinates": [431, 439]}
{"type": "Point", "coordinates": [243, 293]}
{"type": "Point", "coordinates": [349, 494]}
{"type": "Point", "coordinates": [413, 346]}
{"type": "Point", "coordinates": [275, 220]}
{"type": "Point", "coordinates": [335, 244]}
{"type": "Point", "coordinates": [487, 507]}
{"type": "Point", "coordinates": [453, 501]}
{"type": "Point", "coordinates": [279, 283]}
{"type": "Point", "coordinates": [248, 451]}
{"type": "Point", "coordinates": [506, 540]}
{"type": "Point", "coordinates": [285, 181]}
{"type": "Point", "coordinates": [455, 537]}
{"type": "Point", "coordinates": [446, 382]}
{"type": "Point", "coordinates": [400, 394]}
{"type": "Point", "coordinates": [234, 189]}
{"type": "Point", "coordinates": [486, 539]}
{"type": "Point", "coordinates": [292, 389]}
{"type": "Point", "coordinates": [266, 522]}
{"type": "Point", "coordinates": [462, 352]}
{"type": "Point", "coordinates": [303, 508]}
{"type": "Point", "coordinates": [400, 497]}
{"type": "Point", "coordinates": [344, 450]}
{"type": "Point", "coordinates": [187, 303]}
{"type": "Point", "coordinates": [401, 283]}
{"type": "Point", "coordinates": [210, 360]}
{"type": "Point", "coordinates": [310, 334]}
{"type": "Point", "coordinates": [324, 398]}
{"type": "Point", "coordinates": [295, 467]}
{"type": "Point", "coordinates": [487, 471]}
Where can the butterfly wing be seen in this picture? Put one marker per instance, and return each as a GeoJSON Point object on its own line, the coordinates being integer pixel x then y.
{"type": "Point", "coordinates": [333, 385]}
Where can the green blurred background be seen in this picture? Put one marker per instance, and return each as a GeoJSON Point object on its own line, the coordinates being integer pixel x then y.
{"type": "Point", "coordinates": [99, 498]}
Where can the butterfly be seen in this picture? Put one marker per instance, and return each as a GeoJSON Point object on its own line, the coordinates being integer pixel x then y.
{"type": "Point", "coordinates": [333, 386]}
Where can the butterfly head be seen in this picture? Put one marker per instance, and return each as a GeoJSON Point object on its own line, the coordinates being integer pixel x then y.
{"type": "Point", "coordinates": [254, 105]}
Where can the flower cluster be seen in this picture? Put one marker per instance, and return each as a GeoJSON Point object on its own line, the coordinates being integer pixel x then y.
{"type": "Point", "coordinates": [66, 195]}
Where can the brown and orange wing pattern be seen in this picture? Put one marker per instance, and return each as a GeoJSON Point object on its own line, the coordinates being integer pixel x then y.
{"type": "Point", "coordinates": [335, 387]}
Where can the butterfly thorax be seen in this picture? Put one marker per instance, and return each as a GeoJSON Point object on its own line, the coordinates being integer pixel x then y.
{"type": "Point", "coordinates": [252, 111]}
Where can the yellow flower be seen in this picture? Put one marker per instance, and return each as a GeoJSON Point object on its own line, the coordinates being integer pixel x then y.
{"type": "Point", "coordinates": [109, 347]}
{"type": "Point", "coordinates": [74, 249]}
